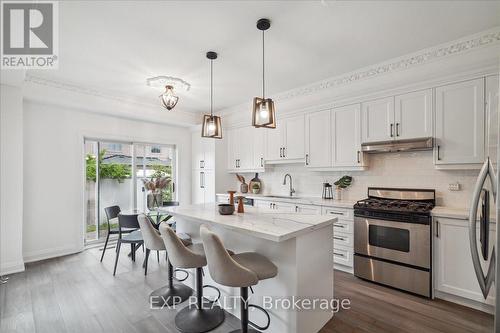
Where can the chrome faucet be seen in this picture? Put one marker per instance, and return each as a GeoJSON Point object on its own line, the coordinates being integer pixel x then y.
{"type": "Point", "coordinates": [292, 191]}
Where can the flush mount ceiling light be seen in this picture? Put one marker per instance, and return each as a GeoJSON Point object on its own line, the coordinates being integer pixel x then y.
{"type": "Point", "coordinates": [263, 114]}
{"type": "Point", "coordinates": [168, 99]}
{"type": "Point", "coordinates": [211, 127]}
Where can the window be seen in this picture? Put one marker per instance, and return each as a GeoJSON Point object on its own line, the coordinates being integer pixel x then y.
{"type": "Point", "coordinates": [115, 175]}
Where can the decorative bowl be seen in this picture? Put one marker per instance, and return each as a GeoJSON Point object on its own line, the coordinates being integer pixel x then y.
{"type": "Point", "coordinates": [226, 209]}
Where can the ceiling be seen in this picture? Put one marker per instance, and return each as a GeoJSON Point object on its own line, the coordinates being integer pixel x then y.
{"type": "Point", "coordinates": [113, 46]}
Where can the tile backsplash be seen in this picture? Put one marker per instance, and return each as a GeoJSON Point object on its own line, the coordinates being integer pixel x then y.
{"type": "Point", "coordinates": [407, 170]}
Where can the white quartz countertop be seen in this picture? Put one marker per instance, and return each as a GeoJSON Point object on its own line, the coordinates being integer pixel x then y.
{"type": "Point", "coordinates": [316, 201]}
{"type": "Point", "coordinates": [456, 213]}
{"type": "Point", "coordinates": [257, 222]}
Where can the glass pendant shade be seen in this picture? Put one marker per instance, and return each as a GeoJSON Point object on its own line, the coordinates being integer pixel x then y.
{"type": "Point", "coordinates": [168, 99]}
{"type": "Point", "coordinates": [212, 127]}
{"type": "Point", "coordinates": [263, 114]}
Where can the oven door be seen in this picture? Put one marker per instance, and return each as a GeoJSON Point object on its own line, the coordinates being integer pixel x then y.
{"type": "Point", "coordinates": [407, 243]}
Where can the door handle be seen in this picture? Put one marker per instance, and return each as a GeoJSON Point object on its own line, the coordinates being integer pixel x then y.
{"type": "Point", "coordinates": [439, 158]}
{"type": "Point", "coordinates": [335, 225]}
{"type": "Point", "coordinates": [202, 180]}
{"type": "Point", "coordinates": [284, 150]}
{"type": "Point", "coordinates": [201, 165]}
{"type": "Point", "coordinates": [281, 152]}
{"type": "Point", "coordinates": [397, 129]}
{"type": "Point", "coordinates": [338, 254]}
{"type": "Point", "coordinates": [335, 213]}
{"type": "Point", "coordinates": [339, 238]}
{"type": "Point", "coordinates": [296, 209]}
{"type": "Point", "coordinates": [392, 130]}
{"type": "Point", "coordinates": [262, 162]}
{"type": "Point", "coordinates": [485, 282]}
{"type": "Point", "coordinates": [437, 228]}
{"type": "Point", "coordinates": [307, 159]}
{"type": "Point", "coordinates": [173, 187]}
{"type": "Point", "coordinates": [359, 159]}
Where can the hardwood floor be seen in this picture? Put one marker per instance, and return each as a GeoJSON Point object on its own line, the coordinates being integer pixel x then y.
{"type": "Point", "coordinates": [77, 293]}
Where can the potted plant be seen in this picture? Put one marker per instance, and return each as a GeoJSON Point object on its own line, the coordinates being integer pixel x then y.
{"type": "Point", "coordinates": [244, 185]}
{"type": "Point", "coordinates": [342, 183]}
{"type": "Point", "coordinates": [255, 188]}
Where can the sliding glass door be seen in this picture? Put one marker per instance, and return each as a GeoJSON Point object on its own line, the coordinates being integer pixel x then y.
{"type": "Point", "coordinates": [115, 174]}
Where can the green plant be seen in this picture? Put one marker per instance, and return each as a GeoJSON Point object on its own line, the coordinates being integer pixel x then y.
{"type": "Point", "coordinates": [116, 171]}
{"type": "Point", "coordinates": [343, 182]}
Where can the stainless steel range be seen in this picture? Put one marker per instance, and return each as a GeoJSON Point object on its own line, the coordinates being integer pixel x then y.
{"type": "Point", "coordinates": [392, 238]}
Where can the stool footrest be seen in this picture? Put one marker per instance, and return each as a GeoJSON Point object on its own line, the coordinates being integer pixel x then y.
{"type": "Point", "coordinates": [215, 288]}
{"type": "Point", "coordinates": [262, 328]}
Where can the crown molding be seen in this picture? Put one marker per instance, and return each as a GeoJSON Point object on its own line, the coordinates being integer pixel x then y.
{"type": "Point", "coordinates": [460, 46]}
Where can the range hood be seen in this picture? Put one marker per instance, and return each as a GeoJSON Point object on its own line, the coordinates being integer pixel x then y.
{"type": "Point", "coordinates": [397, 145]}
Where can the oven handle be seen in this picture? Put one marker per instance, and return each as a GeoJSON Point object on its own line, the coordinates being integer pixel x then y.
{"type": "Point", "coordinates": [485, 282]}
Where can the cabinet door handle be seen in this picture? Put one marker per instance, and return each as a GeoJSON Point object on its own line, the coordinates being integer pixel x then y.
{"type": "Point", "coordinates": [281, 152]}
{"type": "Point", "coordinates": [335, 213]}
{"type": "Point", "coordinates": [359, 159]}
{"type": "Point", "coordinates": [339, 238]}
{"type": "Point", "coordinates": [284, 150]}
{"type": "Point", "coordinates": [437, 228]}
{"type": "Point", "coordinates": [262, 162]}
{"type": "Point", "coordinates": [397, 129]}
{"type": "Point", "coordinates": [335, 225]}
{"type": "Point", "coordinates": [270, 205]}
{"type": "Point", "coordinates": [338, 254]}
{"type": "Point", "coordinates": [296, 209]}
{"type": "Point", "coordinates": [307, 159]}
{"type": "Point", "coordinates": [392, 130]}
{"type": "Point", "coordinates": [173, 187]}
{"type": "Point", "coordinates": [438, 157]}
{"type": "Point", "coordinates": [202, 181]}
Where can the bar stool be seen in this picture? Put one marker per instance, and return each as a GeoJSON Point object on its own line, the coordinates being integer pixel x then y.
{"type": "Point", "coordinates": [202, 316]}
{"type": "Point", "coordinates": [241, 270]}
{"type": "Point", "coordinates": [172, 293]}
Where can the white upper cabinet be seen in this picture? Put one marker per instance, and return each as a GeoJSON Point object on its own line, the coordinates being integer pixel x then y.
{"type": "Point", "coordinates": [460, 123]}
{"type": "Point", "coordinates": [203, 152]}
{"type": "Point", "coordinates": [275, 140]}
{"type": "Point", "coordinates": [378, 120]}
{"type": "Point", "coordinates": [346, 136]}
{"type": "Point", "coordinates": [258, 145]}
{"type": "Point", "coordinates": [245, 149]}
{"type": "Point", "coordinates": [286, 142]}
{"type": "Point", "coordinates": [413, 115]}
{"type": "Point", "coordinates": [294, 138]}
{"type": "Point", "coordinates": [318, 139]}
{"type": "Point", "coordinates": [492, 114]}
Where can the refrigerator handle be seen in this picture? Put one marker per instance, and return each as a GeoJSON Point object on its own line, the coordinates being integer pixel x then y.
{"type": "Point", "coordinates": [485, 282]}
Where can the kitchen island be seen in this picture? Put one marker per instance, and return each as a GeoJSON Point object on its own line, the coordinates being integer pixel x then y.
{"type": "Point", "coordinates": [300, 245]}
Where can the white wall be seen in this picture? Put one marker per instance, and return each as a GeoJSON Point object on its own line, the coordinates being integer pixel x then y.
{"type": "Point", "coordinates": [11, 179]}
{"type": "Point", "coordinates": [54, 172]}
{"type": "Point", "coordinates": [406, 170]}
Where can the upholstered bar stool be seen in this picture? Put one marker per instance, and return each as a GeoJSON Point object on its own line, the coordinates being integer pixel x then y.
{"type": "Point", "coordinates": [172, 293]}
{"type": "Point", "coordinates": [241, 270]}
{"type": "Point", "coordinates": [202, 316]}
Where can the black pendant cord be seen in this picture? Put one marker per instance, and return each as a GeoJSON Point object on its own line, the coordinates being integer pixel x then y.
{"type": "Point", "coordinates": [263, 67]}
{"type": "Point", "coordinates": [211, 88]}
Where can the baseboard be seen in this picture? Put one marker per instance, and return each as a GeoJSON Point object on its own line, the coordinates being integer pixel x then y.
{"type": "Point", "coordinates": [464, 301]}
{"type": "Point", "coordinates": [11, 268]}
{"type": "Point", "coordinates": [51, 253]}
{"type": "Point", "coordinates": [343, 268]}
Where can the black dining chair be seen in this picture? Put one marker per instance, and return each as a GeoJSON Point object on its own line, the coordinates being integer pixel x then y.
{"type": "Point", "coordinates": [133, 238]}
{"type": "Point", "coordinates": [111, 213]}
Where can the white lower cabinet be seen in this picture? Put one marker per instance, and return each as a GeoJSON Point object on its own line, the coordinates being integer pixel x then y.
{"type": "Point", "coordinates": [453, 270]}
{"type": "Point", "coordinates": [343, 237]}
{"type": "Point", "coordinates": [203, 186]}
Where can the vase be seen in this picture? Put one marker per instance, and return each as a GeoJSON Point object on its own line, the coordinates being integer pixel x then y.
{"type": "Point", "coordinates": [154, 200]}
{"type": "Point", "coordinates": [338, 193]}
{"type": "Point", "coordinates": [244, 188]}
{"type": "Point", "coordinates": [255, 184]}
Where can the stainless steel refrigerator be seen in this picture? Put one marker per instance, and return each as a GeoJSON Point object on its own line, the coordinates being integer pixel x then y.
{"type": "Point", "coordinates": [486, 202]}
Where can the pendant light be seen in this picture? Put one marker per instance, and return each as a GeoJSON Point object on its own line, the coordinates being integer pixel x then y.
{"type": "Point", "coordinates": [211, 127]}
{"type": "Point", "coordinates": [168, 99]}
{"type": "Point", "coordinates": [263, 114]}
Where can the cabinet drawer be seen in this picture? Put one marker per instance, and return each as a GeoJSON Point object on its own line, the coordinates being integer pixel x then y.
{"type": "Point", "coordinates": [341, 213]}
{"type": "Point", "coordinates": [343, 256]}
{"type": "Point", "coordinates": [343, 226]}
{"type": "Point", "coordinates": [341, 239]}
